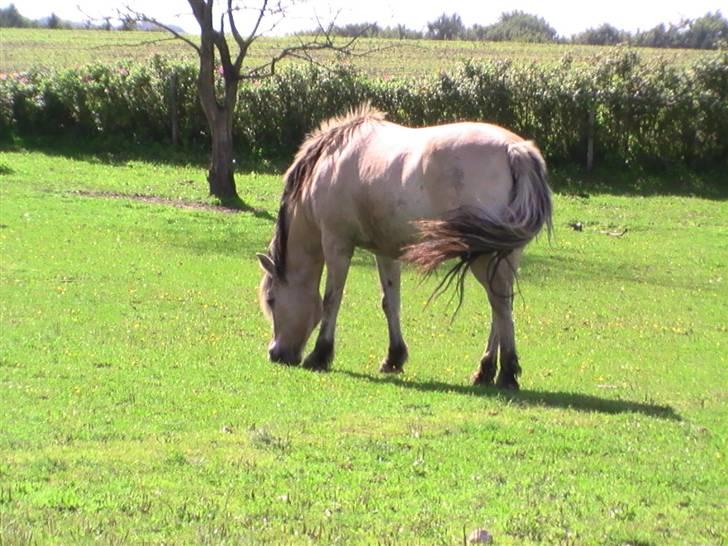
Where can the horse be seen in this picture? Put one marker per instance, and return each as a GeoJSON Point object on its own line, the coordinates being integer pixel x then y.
{"type": "Point", "coordinates": [473, 192]}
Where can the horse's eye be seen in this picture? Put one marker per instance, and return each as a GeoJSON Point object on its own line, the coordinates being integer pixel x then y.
{"type": "Point", "coordinates": [270, 302]}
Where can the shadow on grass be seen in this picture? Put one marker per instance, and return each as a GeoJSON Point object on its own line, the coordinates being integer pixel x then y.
{"type": "Point", "coordinates": [233, 205]}
{"type": "Point", "coordinates": [709, 182]}
{"type": "Point", "coordinates": [571, 268]}
{"type": "Point", "coordinates": [114, 151]}
{"type": "Point", "coordinates": [559, 400]}
{"type": "Point", "coordinates": [236, 204]}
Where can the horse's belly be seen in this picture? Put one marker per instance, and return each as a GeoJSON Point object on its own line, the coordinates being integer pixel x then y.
{"type": "Point", "coordinates": [385, 234]}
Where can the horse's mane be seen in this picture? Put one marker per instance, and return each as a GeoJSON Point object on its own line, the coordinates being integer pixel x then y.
{"type": "Point", "coordinates": [332, 134]}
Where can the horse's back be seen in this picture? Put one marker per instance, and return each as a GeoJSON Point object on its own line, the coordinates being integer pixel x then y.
{"type": "Point", "coordinates": [465, 164]}
{"type": "Point", "coordinates": [391, 176]}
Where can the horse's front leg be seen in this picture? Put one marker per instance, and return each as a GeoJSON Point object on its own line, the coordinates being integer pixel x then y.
{"type": "Point", "coordinates": [337, 257]}
{"type": "Point", "coordinates": [389, 276]}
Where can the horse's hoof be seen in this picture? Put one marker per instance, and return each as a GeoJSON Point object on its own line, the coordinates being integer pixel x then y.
{"type": "Point", "coordinates": [315, 364]}
{"type": "Point", "coordinates": [396, 357]}
{"type": "Point", "coordinates": [480, 378]}
{"type": "Point", "coordinates": [389, 367]}
{"type": "Point", "coordinates": [320, 359]}
{"type": "Point", "coordinates": [507, 383]}
{"type": "Point", "coordinates": [286, 363]}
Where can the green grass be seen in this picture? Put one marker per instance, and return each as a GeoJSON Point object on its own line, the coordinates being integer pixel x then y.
{"type": "Point", "coordinates": [21, 49]}
{"type": "Point", "coordinates": [137, 403]}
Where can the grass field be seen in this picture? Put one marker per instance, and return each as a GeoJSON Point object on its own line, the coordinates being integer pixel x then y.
{"type": "Point", "coordinates": [138, 404]}
{"type": "Point", "coordinates": [22, 49]}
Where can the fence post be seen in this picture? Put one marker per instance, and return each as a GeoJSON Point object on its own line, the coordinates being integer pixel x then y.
{"type": "Point", "coordinates": [173, 113]}
{"type": "Point", "coordinates": [590, 140]}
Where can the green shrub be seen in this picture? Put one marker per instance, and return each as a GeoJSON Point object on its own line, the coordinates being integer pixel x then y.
{"type": "Point", "coordinates": [642, 112]}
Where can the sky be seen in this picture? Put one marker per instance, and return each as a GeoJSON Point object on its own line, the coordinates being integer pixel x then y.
{"type": "Point", "coordinates": [568, 17]}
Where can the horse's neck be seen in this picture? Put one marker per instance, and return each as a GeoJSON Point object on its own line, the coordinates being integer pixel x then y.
{"type": "Point", "coordinates": [304, 259]}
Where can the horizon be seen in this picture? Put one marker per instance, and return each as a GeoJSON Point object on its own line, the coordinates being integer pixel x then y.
{"type": "Point", "coordinates": [565, 16]}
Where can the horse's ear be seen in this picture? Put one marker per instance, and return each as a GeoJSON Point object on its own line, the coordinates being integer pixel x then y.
{"type": "Point", "coordinates": [267, 263]}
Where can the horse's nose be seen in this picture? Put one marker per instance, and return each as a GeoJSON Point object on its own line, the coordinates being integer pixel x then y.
{"type": "Point", "coordinates": [273, 353]}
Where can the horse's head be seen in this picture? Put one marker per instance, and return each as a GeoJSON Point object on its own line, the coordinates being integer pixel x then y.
{"type": "Point", "coordinates": [293, 308]}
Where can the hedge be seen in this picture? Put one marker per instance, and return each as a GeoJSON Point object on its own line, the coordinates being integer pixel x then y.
{"type": "Point", "coordinates": [632, 111]}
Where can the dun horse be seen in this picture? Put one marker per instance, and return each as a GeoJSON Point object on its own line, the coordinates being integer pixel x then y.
{"type": "Point", "coordinates": [472, 192]}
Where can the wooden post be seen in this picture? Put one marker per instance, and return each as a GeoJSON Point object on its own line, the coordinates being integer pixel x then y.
{"type": "Point", "coordinates": [173, 112]}
{"type": "Point", "coordinates": [590, 140]}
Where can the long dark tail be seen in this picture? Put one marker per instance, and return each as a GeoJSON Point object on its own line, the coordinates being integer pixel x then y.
{"type": "Point", "coordinates": [467, 233]}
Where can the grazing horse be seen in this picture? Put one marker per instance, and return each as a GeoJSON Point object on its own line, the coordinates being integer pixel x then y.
{"type": "Point", "coordinates": [472, 192]}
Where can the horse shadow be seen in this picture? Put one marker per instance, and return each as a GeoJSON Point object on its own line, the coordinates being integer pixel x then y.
{"type": "Point", "coordinates": [560, 400]}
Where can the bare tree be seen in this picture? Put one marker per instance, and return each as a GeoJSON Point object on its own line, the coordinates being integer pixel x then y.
{"type": "Point", "coordinates": [219, 101]}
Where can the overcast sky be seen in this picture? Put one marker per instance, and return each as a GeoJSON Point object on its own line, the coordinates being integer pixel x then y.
{"type": "Point", "coordinates": [566, 16]}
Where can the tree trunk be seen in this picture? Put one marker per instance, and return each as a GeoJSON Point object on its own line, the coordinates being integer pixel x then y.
{"type": "Point", "coordinates": [218, 109]}
{"type": "Point", "coordinates": [221, 177]}
{"type": "Point", "coordinates": [215, 59]}
{"type": "Point", "coordinates": [591, 120]}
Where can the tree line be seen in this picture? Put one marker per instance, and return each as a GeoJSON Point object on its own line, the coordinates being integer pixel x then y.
{"type": "Point", "coordinates": [707, 32]}
{"type": "Point", "coordinates": [10, 17]}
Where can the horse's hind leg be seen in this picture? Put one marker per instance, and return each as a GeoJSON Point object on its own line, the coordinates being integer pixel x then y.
{"type": "Point", "coordinates": [389, 276]}
{"type": "Point", "coordinates": [485, 374]}
{"type": "Point", "coordinates": [499, 286]}
{"type": "Point", "coordinates": [337, 257]}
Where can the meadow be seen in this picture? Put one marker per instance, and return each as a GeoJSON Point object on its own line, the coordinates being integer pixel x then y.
{"type": "Point", "coordinates": [22, 49]}
{"type": "Point", "coordinates": [138, 405]}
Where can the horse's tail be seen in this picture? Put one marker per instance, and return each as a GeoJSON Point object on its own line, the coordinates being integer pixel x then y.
{"type": "Point", "coordinates": [468, 232]}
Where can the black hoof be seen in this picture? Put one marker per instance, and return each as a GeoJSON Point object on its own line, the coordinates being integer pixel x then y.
{"type": "Point", "coordinates": [390, 367]}
{"type": "Point", "coordinates": [320, 358]}
{"type": "Point", "coordinates": [482, 378]}
{"type": "Point", "coordinates": [286, 363]}
{"type": "Point", "coordinates": [284, 359]}
{"type": "Point", "coordinates": [510, 370]}
{"type": "Point", "coordinates": [507, 383]}
{"type": "Point", "coordinates": [315, 365]}
{"type": "Point", "coordinates": [396, 357]}
{"type": "Point", "coordinates": [486, 373]}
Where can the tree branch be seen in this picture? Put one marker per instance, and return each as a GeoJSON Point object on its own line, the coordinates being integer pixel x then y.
{"type": "Point", "coordinates": [301, 51]}
{"type": "Point", "coordinates": [212, 39]}
{"type": "Point", "coordinates": [242, 43]}
{"type": "Point", "coordinates": [151, 20]}
{"type": "Point", "coordinates": [261, 14]}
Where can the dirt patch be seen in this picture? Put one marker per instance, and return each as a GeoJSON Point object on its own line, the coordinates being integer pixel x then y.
{"type": "Point", "coordinates": [178, 203]}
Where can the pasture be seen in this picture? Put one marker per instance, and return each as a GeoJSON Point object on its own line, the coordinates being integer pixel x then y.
{"type": "Point", "coordinates": [22, 49]}
{"type": "Point", "coordinates": [138, 404]}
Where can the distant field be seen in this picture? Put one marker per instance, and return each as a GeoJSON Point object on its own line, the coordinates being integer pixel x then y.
{"type": "Point", "coordinates": [22, 49]}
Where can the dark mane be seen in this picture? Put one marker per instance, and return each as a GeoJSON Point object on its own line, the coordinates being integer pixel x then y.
{"type": "Point", "coordinates": [330, 135]}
